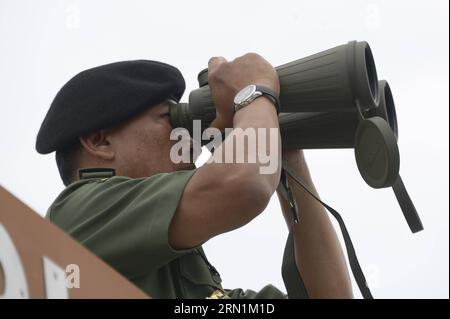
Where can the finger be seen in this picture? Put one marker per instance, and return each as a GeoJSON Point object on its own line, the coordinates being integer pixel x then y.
{"type": "Point", "coordinates": [214, 62]}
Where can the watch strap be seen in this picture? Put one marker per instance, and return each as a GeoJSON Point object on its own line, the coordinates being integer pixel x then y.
{"type": "Point", "coordinates": [269, 93]}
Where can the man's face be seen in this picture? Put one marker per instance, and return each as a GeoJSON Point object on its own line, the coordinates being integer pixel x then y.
{"type": "Point", "coordinates": [142, 144]}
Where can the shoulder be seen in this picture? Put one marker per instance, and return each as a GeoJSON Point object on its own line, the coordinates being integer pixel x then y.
{"type": "Point", "coordinates": [95, 194]}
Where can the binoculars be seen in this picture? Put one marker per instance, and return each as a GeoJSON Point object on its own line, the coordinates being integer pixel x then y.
{"type": "Point", "coordinates": [329, 100]}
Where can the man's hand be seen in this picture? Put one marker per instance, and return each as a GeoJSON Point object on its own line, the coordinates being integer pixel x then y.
{"type": "Point", "coordinates": [226, 79]}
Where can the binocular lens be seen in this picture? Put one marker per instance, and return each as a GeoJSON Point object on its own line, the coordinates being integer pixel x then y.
{"type": "Point", "coordinates": [390, 109]}
{"type": "Point", "coordinates": [386, 107]}
{"type": "Point", "coordinates": [371, 70]}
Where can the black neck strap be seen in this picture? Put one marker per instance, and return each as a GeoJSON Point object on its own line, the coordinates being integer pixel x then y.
{"type": "Point", "coordinates": [291, 275]}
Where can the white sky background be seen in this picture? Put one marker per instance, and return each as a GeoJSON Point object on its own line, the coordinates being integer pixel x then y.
{"type": "Point", "coordinates": [44, 43]}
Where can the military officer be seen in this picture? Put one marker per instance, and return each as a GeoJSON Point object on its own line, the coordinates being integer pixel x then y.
{"type": "Point", "coordinates": [148, 217]}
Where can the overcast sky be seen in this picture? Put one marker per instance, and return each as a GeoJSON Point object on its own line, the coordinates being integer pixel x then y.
{"type": "Point", "coordinates": [44, 43]}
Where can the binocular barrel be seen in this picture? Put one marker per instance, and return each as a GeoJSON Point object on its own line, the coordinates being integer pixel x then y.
{"type": "Point", "coordinates": [341, 79]}
{"type": "Point", "coordinates": [336, 80]}
{"type": "Point", "coordinates": [317, 130]}
{"type": "Point", "coordinates": [333, 129]}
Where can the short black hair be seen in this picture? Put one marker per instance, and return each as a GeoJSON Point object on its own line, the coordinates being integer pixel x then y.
{"type": "Point", "coordinates": [66, 160]}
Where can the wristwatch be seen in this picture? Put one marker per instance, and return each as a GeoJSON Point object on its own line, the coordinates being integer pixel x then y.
{"type": "Point", "coordinates": [248, 94]}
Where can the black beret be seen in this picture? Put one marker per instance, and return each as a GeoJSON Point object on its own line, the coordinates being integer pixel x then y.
{"type": "Point", "coordinates": [105, 96]}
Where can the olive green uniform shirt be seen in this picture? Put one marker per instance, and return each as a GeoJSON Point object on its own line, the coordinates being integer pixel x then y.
{"type": "Point", "coordinates": [126, 222]}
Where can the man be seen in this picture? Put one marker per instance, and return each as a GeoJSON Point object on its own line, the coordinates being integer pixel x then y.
{"type": "Point", "coordinates": [147, 217]}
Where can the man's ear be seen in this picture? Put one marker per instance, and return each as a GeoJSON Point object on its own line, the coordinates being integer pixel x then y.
{"type": "Point", "coordinates": [98, 145]}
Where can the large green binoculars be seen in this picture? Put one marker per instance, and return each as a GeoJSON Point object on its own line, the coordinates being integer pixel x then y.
{"type": "Point", "coordinates": [322, 97]}
{"type": "Point", "coordinates": [342, 79]}
{"type": "Point", "coordinates": [332, 99]}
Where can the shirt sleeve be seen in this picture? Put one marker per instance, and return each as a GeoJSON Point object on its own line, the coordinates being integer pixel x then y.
{"type": "Point", "coordinates": [268, 292]}
{"type": "Point", "coordinates": [124, 221]}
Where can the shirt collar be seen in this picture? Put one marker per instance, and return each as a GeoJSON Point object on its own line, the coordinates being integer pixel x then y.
{"type": "Point", "coordinates": [97, 172]}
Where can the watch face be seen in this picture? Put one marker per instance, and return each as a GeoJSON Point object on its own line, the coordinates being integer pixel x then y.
{"type": "Point", "coordinates": [244, 94]}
